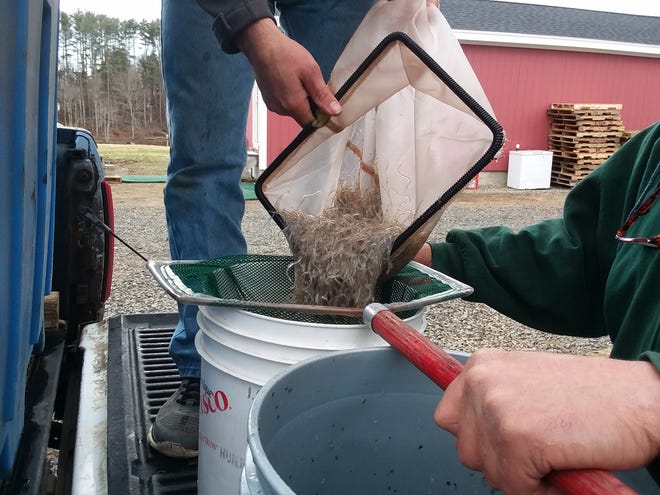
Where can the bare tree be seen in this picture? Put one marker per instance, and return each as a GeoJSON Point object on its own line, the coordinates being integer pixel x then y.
{"type": "Point", "coordinates": [110, 76]}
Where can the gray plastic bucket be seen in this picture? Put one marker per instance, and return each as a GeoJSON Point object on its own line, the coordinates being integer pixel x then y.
{"type": "Point", "coordinates": [358, 422]}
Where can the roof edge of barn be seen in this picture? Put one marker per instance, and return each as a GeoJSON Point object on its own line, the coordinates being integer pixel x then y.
{"type": "Point", "coordinates": [521, 40]}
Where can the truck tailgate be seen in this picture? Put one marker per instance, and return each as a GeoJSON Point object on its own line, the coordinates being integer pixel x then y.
{"type": "Point", "coordinates": [125, 381]}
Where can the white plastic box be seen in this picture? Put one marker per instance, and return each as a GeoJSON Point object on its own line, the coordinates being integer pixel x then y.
{"type": "Point", "coordinates": [529, 169]}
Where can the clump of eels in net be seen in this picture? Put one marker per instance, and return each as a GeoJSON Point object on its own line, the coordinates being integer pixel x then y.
{"type": "Point", "coordinates": [340, 254]}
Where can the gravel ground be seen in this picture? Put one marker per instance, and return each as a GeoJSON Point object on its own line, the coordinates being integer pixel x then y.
{"type": "Point", "coordinates": [455, 325]}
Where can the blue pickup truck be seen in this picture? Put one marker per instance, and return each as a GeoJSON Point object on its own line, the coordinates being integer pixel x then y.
{"type": "Point", "coordinates": [77, 391]}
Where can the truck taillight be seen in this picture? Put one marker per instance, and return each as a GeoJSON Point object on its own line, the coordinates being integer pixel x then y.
{"type": "Point", "coordinates": [109, 220]}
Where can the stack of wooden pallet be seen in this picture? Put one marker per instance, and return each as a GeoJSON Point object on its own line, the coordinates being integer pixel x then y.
{"type": "Point", "coordinates": [582, 136]}
{"type": "Point", "coordinates": [626, 135]}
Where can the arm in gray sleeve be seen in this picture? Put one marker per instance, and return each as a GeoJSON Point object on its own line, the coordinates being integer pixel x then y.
{"type": "Point", "coordinates": [232, 16]}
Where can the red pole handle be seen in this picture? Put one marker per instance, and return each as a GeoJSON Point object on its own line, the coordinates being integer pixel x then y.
{"type": "Point", "coordinates": [442, 368]}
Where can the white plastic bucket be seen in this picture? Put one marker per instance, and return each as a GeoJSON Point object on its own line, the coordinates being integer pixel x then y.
{"type": "Point", "coordinates": [240, 352]}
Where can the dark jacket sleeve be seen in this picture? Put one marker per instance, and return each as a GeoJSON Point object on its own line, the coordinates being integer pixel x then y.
{"type": "Point", "coordinates": [232, 16]}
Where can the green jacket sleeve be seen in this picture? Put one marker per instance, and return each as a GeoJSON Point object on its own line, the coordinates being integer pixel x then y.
{"type": "Point", "coordinates": [552, 275]}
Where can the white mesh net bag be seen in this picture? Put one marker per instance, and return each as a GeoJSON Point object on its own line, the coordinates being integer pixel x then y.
{"type": "Point", "coordinates": [416, 127]}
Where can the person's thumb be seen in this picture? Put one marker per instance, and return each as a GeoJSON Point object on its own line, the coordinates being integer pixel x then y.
{"type": "Point", "coordinates": [324, 100]}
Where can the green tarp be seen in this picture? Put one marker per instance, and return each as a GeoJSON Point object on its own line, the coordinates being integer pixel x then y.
{"type": "Point", "coordinates": [248, 187]}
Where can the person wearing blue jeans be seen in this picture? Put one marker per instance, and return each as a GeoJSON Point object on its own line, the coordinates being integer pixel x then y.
{"type": "Point", "coordinates": [208, 85]}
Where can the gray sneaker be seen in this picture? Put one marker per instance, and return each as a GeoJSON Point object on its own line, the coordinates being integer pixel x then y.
{"type": "Point", "coordinates": [175, 430]}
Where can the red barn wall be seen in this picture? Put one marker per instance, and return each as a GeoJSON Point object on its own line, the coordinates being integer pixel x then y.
{"type": "Point", "coordinates": [522, 83]}
{"type": "Point", "coordinates": [281, 131]}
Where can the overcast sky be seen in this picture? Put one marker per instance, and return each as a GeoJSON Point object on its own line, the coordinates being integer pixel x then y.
{"type": "Point", "coordinates": [122, 9]}
{"type": "Point", "coordinates": [150, 9]}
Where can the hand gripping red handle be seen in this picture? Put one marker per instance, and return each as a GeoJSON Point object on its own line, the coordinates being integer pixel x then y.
{"type": "Point", "coordinates": [442, 368]}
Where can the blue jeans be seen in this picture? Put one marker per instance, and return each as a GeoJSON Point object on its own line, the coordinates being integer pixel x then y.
{"type": "Point", "coordinates": [208, 95]}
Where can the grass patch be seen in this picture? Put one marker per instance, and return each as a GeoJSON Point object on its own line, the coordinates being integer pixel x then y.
{"type": "Point", "coordinates": [140, 159]}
